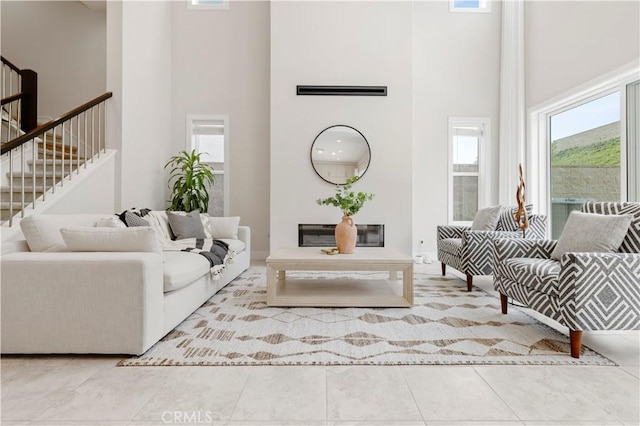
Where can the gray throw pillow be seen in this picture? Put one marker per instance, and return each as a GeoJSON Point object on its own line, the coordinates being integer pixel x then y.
{"type": "Point", "coordinates": [590, 232]}
{"type": "Point", "coordinates": [186, 225]}
{"type": "Point", "coordinates": [486, 219]}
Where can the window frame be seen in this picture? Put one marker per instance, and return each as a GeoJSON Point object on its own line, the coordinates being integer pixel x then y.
{"type": "Point", "coordinates": [484, 7]}
{"type": "Point", "coordinates": [223, 6]}
{"type": "Point", "coordinates": [225, 171]}
{"type": "Point", "coordinates": [539, 132]}
{"type": "Point", "coordinates": [484, 123]}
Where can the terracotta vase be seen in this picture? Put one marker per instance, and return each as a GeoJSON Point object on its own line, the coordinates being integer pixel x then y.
{"type": "Point", "coordinates": [346, 235]}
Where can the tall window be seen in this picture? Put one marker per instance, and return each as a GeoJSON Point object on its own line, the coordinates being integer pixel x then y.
{"type": "Point", "coordinates": [585, 157]}
{"type": "Point", "coordinates": [467, 139]}
{"type": "Point", "coordinates": [208, 135]}
{"type": "Point", "coordinates": [585, 146]}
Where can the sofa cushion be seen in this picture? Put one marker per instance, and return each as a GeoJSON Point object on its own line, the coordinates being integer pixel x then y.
{"type": "Point", "coordinates": [486, 219]}
{"type": "Point", "coordinates": [236, 246]}
{"type": "Point", "coordinates": [591, 232]}
{"type": "Point", "coordinates": [186, 225]}
{"type": "Point", "coordinates": [136, 239]}
{"type": "Point", "coordinates": [450, 245]}
{"type": "Point", "coordinates": [42, 231]}
{"type": "Point", "coordinates": [182, 268]}
{"type": "Point", "coordinates": [538, 274]}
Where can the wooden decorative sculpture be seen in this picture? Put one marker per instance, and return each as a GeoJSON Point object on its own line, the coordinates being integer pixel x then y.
{"type": "Point", "coordinates": [521, 214]}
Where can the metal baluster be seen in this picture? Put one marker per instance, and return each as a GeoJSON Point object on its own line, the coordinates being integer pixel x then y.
{"type": "Point", "coordinates": [44, 166]}
{"type": "Point", "coordinates": [104, 127]}
{"type": "Point", "coordinates": [85, 139]}
{"type": "Point", "coordinates": [93, 122]}
{"type": "Point", "coordinates": [64, 157]}
{"type": "Point", "coordinates": [55, 142]}
{"type": "Point", "coordinates": [10, 109]}
{"type": "Point", "coordinates": [33, 170]}
{"type": "Point", "coordinates": [99, 128]}
{"type": "Point", "coordinates": [78, 145]}
{"type": "Point", "coordinates": [21, 179]}
{"type": "Point", "coordinates": [10, 188]}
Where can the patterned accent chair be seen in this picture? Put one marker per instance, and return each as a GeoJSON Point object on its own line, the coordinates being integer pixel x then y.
{"type": "Point", "coordinates": [471, 252]}
{"type": "Point", "coordinates": [582, 291]}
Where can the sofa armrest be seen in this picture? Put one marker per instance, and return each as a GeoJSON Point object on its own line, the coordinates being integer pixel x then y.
{"type": "Point", "coordinates": [81, 302]}
{"type": "Point", "coordinates": [600, 291]}
{"type": "Point", "coordinates": [244, 235]}
{"type": "Point", "coordinates": [521, 247]}
{"type": "Point", "coordinates": [450, 231]}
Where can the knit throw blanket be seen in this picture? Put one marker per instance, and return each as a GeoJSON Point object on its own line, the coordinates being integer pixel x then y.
{"type": "Point", "coordinates": [216, 252]}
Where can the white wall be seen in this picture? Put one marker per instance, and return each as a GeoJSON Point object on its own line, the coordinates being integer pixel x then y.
{"type": "Point", "coordinates": [571, 42]}
{"type": "Point", "coordinates": [64, 42]}
{"type": "Point", "coordinates": [220, 66]}
{"type": "Point", "coordinates": [341, 43]}
{"type": "Point", "coordinates": [456, 72]}
{"type": "Point", "coordinates": [140, 113]}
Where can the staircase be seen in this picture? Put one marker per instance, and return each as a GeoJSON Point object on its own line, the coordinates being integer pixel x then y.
{"type": "Point", "coordinates": [31, 185]}
{"type": "Point", "coordinates": [37, 159]}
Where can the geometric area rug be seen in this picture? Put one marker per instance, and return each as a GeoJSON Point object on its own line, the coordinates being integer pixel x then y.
{"type": "Point", "coordinates": [447, 325]}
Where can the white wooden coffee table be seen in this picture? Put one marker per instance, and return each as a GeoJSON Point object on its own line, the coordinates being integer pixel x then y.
{"type": "Point", "coordinates": [283, 291]}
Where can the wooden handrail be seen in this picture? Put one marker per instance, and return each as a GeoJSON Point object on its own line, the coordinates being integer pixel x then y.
{"type": "Point", "coordinates": [11, 98]}
{"type": "Point", "coordinates": [6, 62]}
{"type": "Point", "coordinates": [40, 130]}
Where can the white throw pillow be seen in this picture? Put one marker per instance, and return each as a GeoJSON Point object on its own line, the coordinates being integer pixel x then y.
{"type": "Point", "coordinates": [486, 219]}
{"type": "Point", "coordinates": [223, 227]}
{"type": "Point", "coordinates": [110, 222]}
{"type": "Point", "coordinates": [42, 231]}
{"type": "Point", "coordinates": [136, 239]}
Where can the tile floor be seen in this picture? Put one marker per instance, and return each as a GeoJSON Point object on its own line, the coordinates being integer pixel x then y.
{"type": "Point", "coordinates": [91, 390]}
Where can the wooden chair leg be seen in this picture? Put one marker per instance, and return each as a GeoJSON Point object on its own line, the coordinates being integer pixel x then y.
{"type": "Point", "coordinates": [469, 282]}
{"type": "Point", "coordinates": [444, 269]}
{"type": "Point", "coordinates": [503, 303]}
{"type": "Point", "coordinates": [575, 337]}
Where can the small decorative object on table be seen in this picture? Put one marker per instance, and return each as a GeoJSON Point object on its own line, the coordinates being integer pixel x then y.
{"type": "Point", "coordinates": [349, 203]}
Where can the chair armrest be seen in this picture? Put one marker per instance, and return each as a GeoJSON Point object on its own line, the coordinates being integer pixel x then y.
{"type": "Point", "coordinates": [600, 291]}
{"type": "Point", "coordinates": [451, 231]}
{"type": "Point", "coordinates": [477, 250]}
{"type": "Point", "coordinates": [521, 247]}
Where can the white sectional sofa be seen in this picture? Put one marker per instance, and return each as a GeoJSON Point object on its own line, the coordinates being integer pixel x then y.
{"type": "Point", "coordinates": [103, 302]}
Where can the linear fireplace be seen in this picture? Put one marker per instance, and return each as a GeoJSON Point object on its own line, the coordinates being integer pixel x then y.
{"type": "Point", "coordinates": [320, 235]}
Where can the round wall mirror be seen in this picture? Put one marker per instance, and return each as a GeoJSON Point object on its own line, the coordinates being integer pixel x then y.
{"type": "Point", "coordinates": [339, 153]}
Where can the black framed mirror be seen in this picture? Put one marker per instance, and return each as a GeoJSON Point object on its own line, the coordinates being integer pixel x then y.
{"type": "Point", "coordinates": [339, 153]}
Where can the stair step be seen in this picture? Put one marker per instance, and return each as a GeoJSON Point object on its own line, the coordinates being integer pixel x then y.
{"type": "Point", "coordinates": [38, 165]}
{"type": "Point", "coordinates": [5, 194]}
{"type": "Point", "coordinates": [39, 173]}
{"type": "Point", "coordinates": [59, 155]}
{"type": "Point", "coordinates": [28, 180]}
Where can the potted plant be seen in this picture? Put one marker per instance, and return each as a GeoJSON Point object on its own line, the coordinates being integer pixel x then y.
{"type": "Point", "coordinates": [191, 179]}
{"type": "Point", "coordinates": [349, 203]}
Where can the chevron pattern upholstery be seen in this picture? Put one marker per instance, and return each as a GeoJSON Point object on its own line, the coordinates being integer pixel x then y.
{"type": "Point", "coordinates": [583, 291]}
{"type": "Point", "coordinates": [471, 252]}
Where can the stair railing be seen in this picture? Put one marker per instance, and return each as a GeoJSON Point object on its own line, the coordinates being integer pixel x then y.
{"type": "Point", "coordinates": [19, 99]}
{"type": "Point", "coordinates": [56, 139]}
